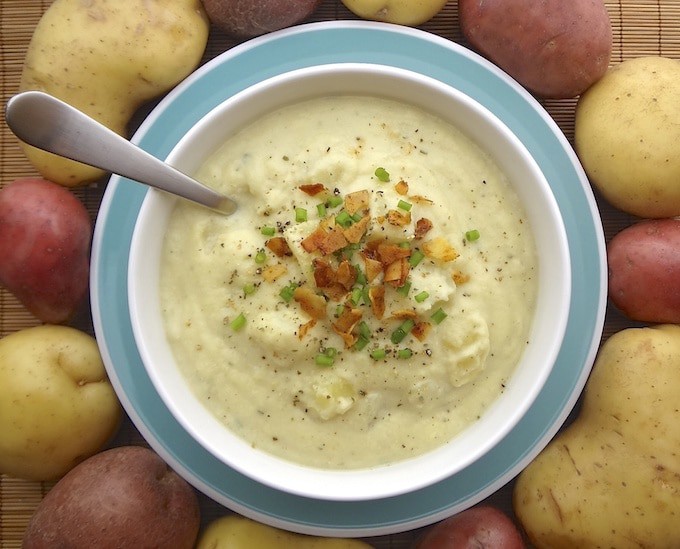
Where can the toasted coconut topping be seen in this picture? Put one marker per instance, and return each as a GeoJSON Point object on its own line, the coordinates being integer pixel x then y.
{"type": "Point", "coordinates": [310, 302]}
{"type": "Point", "coordinates": [313, 241]}
{"type": "Point", "coordinates": [304, 329]}
{"type": "Point", "coordinates": [345, 324]}
{"type": "Point", "coordinates": [401, 188]}
{"type": "Point", "coordinates": [389, 253]}
{"type": "Point", "coordinates": [279, 246]}
{"type": "Point", "coordinates": [312, 189]}
{"type": "Point", "coordinates": [418, 199]}
{"type": "Point", "coordinates": [398, 218]}
{"type": "Point", "coordinates": [273, 272]}
{"type": "Point", "coordinates": [357, 202]}
{"type": "Point", "coordinates": [459, 277]}
{"type": "Point", "coordinates": [420, 330]}
{"type": "Point", "coordinates": [396, 272]}
{"type": "Point", "coordinates": [372, 267]}
{"type": "Point", "coordinates": [377, 296]}
{"type": "Point", "coordinates": [423, 226]}
{"type": "Point", "coordinates": [403, 314]}
{"type": "Point", "coordinates": [440, 249]}
{"type": "Point", "coordinates": [355, 232]}
{"type": "Point", "coordinates": [333, 241]}
{"type": "Point", "coordinates": [346, 274]}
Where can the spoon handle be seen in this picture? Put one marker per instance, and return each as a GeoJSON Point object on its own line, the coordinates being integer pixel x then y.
{"type": "Point", "coordinates": [48, 123]}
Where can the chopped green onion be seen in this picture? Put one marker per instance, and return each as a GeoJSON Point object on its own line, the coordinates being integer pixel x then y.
{"type": "Point", "coordinates": [472, 235]}
{"type": "Point", "coordinates": [366, 296]}
{"type": "Point", "coordinates": [416, 257]}
{"type": "Point", "coordinates": [343, 219]}
{"type": "Point", "coordinates": [404, 289]}
{"type": "Point", "coordinates": [323, 359]}
{"type": "Point", "coordinates": [364, 330]}
{"type": "Point", "coordinates": [404, 245]}
{"type": "Point", "coordinates": [338, 310]}
{"type": "Point", "coordinates": [378, 354]}
{"type": "Point", "coordinates": [401, 332]}
{"type": "Point", "coordinates": [404, 353]}
{"type": "Point", "coordinates": [249, 289]}
{"type": "Point", "coordinates": [422, 296]}
{"type": "Point", "coordinates": [238, 323]}
{"type": "Point", "coordinates": [287, 292]}
{"type": "Point", "coordinates": [438, 316]}
{"type": "Point", "coordinates": [361, 277]}
{"type": "Point", "coordinates": [403, 205]}
{"type": "Point", "coordinates": [321, 209]}
{"type": "Point", "coordinates": [360, 343]}
{"type": "Point", "coordinates": [268, 230]}
{"type": "Point", "coordinates": [355, 296]}
{"type": "Point", "coordinates": [348, 251]}
{"type": "Point", "coordinates": [260, 256]}
{"type": "Point", "coordinates": [356, 217]}
{"type": "Point", "coordinates": [300, 215]}
{"type": "Point", "coordinates": [382, 174]}
{"type": "Point", "coordinates": [334, 201]}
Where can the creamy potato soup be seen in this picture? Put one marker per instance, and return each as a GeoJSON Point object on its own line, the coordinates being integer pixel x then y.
{"type": "Point", "coordinates": [370, 297]}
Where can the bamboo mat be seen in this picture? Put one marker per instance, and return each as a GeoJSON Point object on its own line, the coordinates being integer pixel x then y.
{"type": "Point", "coordinates": [649, 27]}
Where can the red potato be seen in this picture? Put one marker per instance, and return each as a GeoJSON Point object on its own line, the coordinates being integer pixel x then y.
{"type": "Point", "coordinates": [126, 497]}
{"type": "Point", "coordinates": [644, 271]}
{"type": "Point", "coordinates": [45, 235]}
{"type": "Point", "coordinates": [476, 528]}
{"type": "Point", "coordinates": [555, 49]}
{"type": "Point", "coordinates": [255, 17]}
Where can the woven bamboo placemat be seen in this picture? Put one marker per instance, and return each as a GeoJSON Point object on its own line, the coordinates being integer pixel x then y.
{"type": "Point", "coordinates": [650, 27]}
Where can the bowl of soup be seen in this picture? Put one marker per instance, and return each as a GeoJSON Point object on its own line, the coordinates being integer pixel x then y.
{"type": "Point", "coordinates": [384, 305]}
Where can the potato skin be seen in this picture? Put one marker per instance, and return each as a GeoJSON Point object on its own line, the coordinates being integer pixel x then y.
{"type": "Point", "coordinates": [57, 407]}
{"type": "Point", "coordinates": [610, 479]}
{"type": "Point", "coordinates": [400, 12]}
{"type": "Point", "coordinates": [555, 49]}
{"type": "Point", "coordinates": [644, 271]}
{"type": "Point", "coordinates": [236, 532]}
{"type": "Point", "coordinates": [247, 18]}
{"type": "Point", "coordinates": [475, 528]}
{"type": "Point", "coordinates": [626, 133]}
{"type": "Point", "coordinates": [45, 234]}
{"type": "Point", "coordinates": [107, 58]}
{"type": "Point", "coordinates": [122, 498]}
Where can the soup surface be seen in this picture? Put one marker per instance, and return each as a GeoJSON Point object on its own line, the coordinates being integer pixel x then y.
{"type": "Point", "coordinates": [370, 297]}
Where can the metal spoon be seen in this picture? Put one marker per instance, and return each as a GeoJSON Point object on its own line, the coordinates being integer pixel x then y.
{"type": "Point", "coordinates": [48, 123]}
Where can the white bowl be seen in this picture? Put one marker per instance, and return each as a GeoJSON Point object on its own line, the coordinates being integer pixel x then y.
{"type": "Point", "coordinates": [549, 323]}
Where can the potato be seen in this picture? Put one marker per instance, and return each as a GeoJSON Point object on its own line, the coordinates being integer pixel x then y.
{"type": "Point", "coordinates": [479, 528]}
{"type": "Point", "coordinates": [235, 532]}
{"type": "Point", "coordinates": [122, 498]}
{"type": "Point", "coordinates": [248, 18]}
{"type": "Point", "coordinates": [401, 12]}
{"type": "Point", "coordinates": [626, 132]}
{"type": "Point", "coordinates": [612, 478]}
{"type": "Point", "coordinates": [57, 406]}
{"type": "Point", "coordinates": [107, 58]}
{"type": "Point", "coordinates": [644, 271]}
{"type": "Point", "coordinates": [555, 49]}
{"type": "Point", "coordinates": [45, 234]}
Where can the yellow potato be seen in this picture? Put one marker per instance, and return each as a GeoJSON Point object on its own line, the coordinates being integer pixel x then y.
{"type": "Point", "coordinates": [401, 12]}
{"type": "Point", "coordinates": [627, 131]}
{"type": "Point", "coordinates": [107, 57]}
{"type": "Point", "coordinates": [612, 478]}
{"type": "Point", "coordinates": [57, 406]}
{"type": "Point", "coordinates": [235, 532]}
